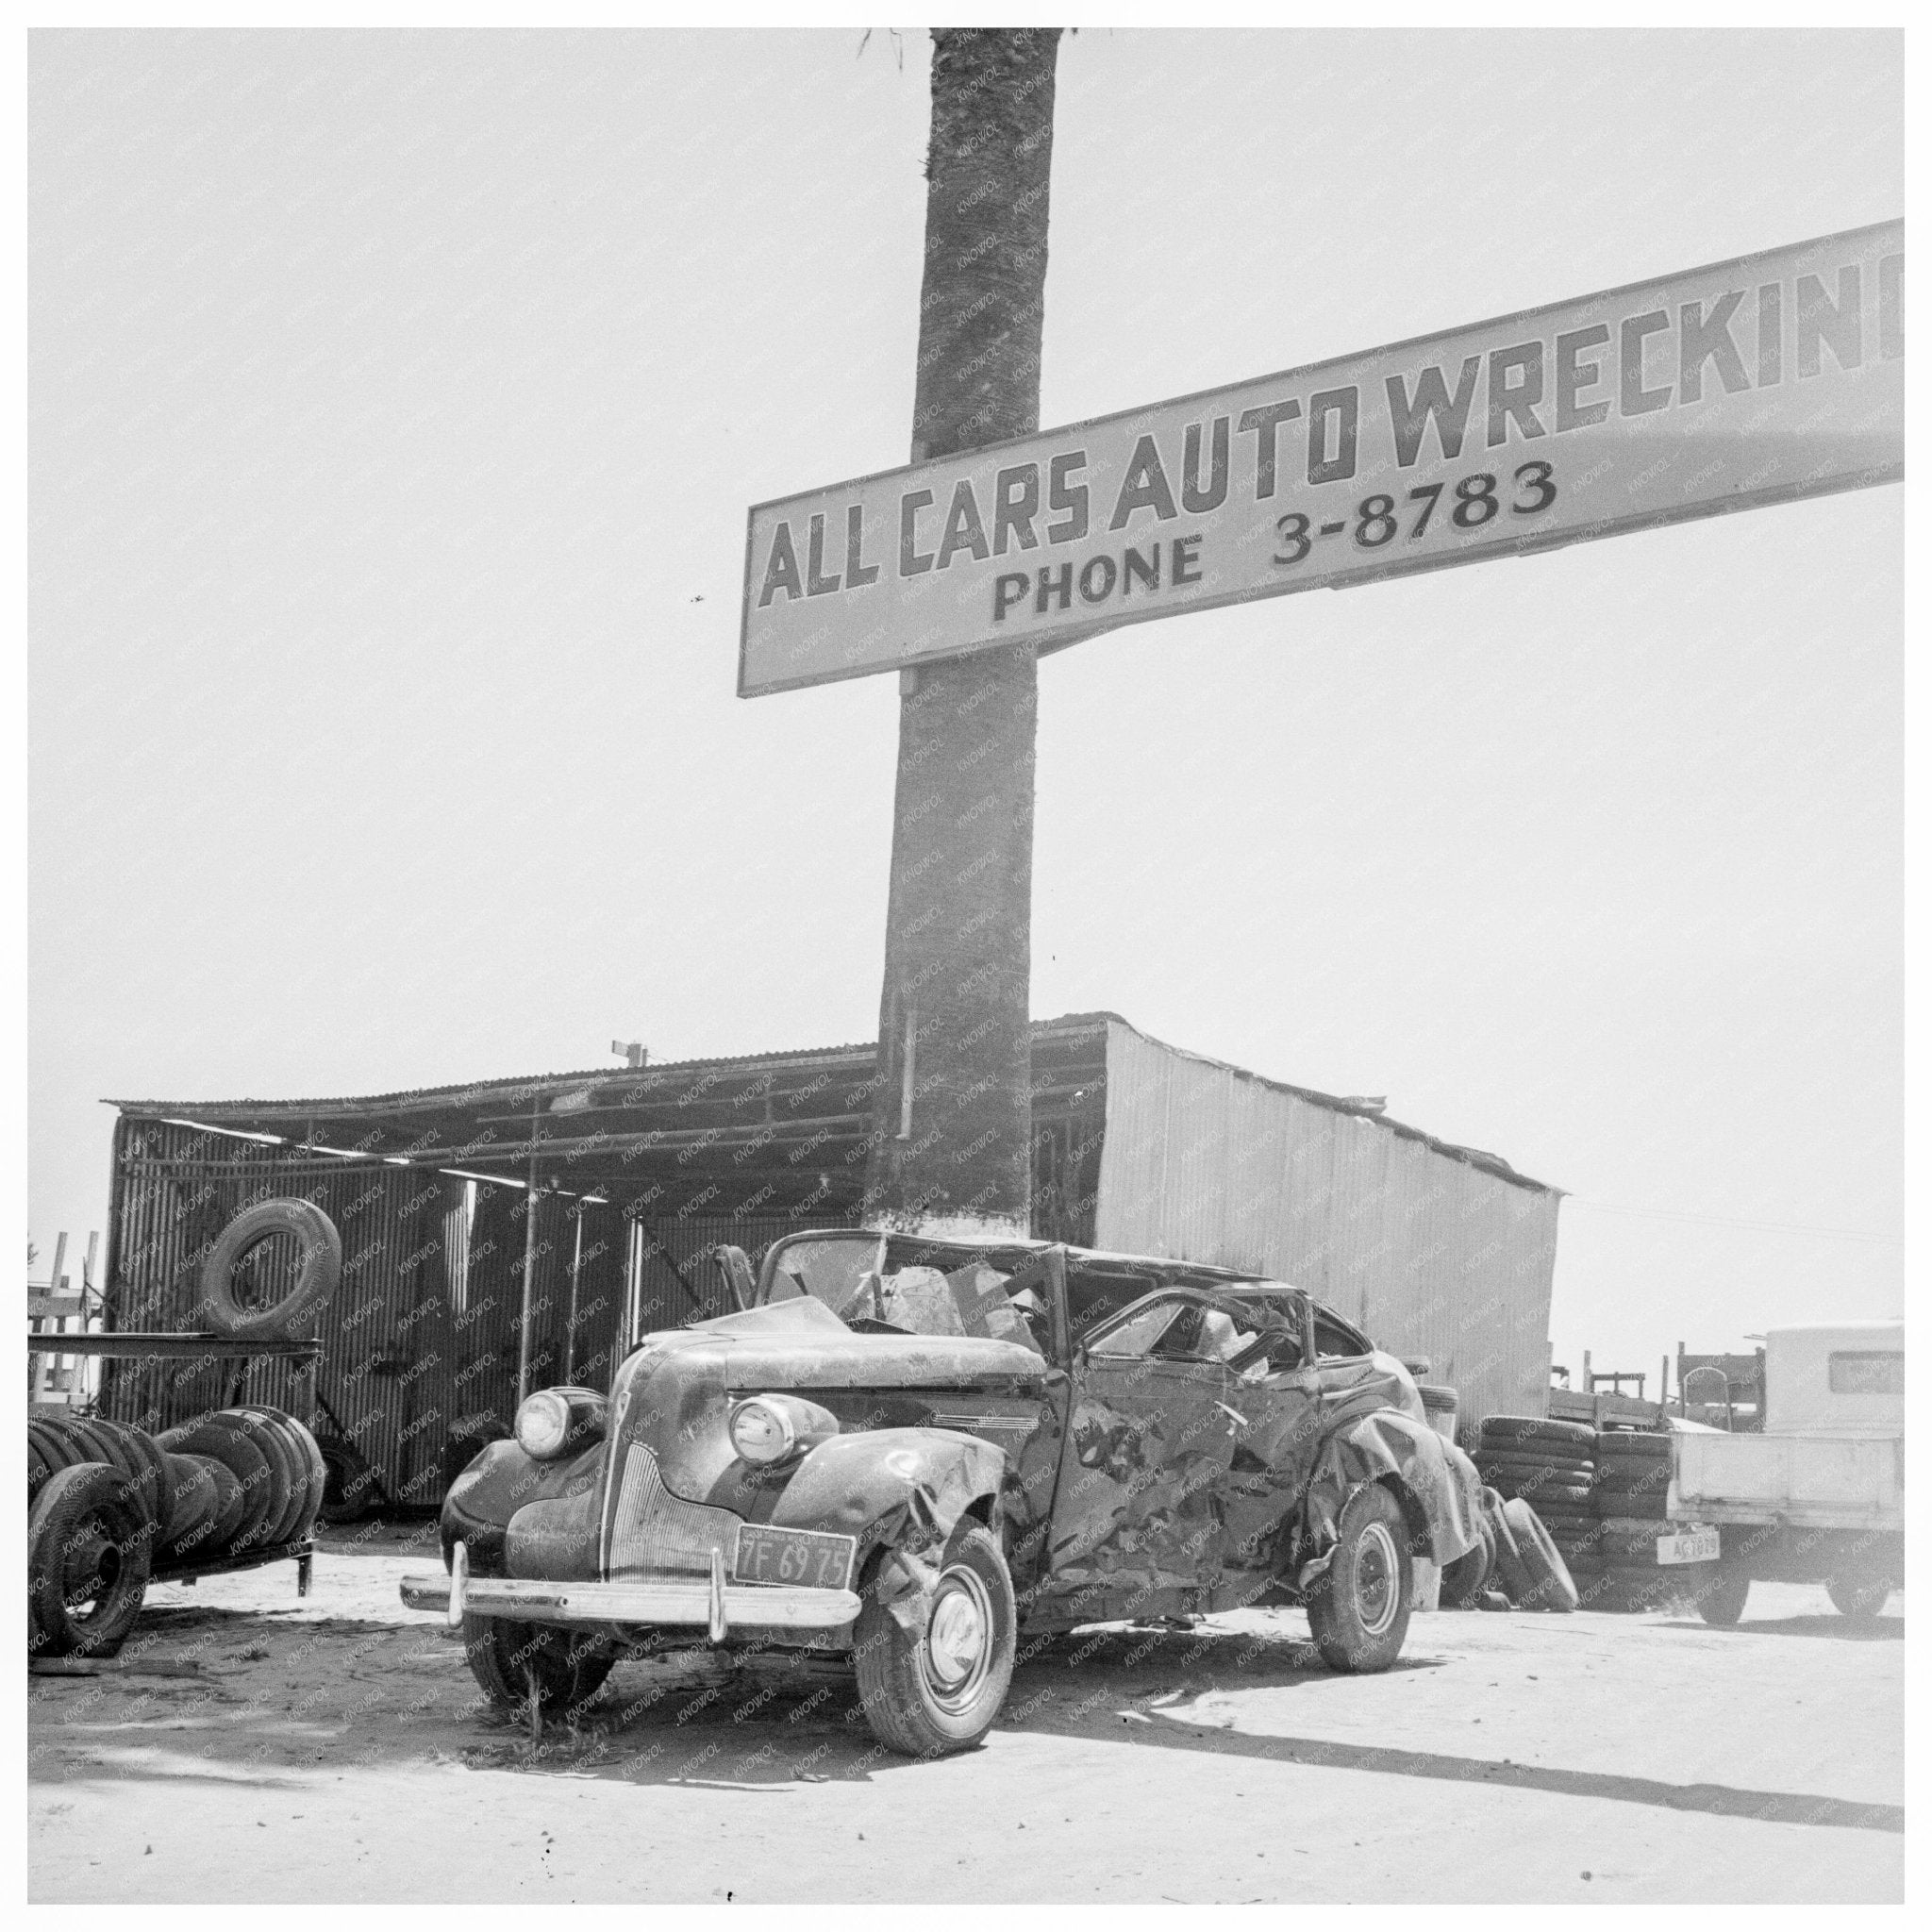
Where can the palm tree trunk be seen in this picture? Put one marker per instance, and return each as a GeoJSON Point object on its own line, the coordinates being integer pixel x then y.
{"type": "Point", "coordinates": [951, 1146]}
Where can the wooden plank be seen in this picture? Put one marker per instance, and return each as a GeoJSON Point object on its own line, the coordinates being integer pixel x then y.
{"type": "Point", "coordinates": [131, 1343]}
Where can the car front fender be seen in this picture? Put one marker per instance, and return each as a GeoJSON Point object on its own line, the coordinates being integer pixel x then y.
{"type": "Point", "coordinates": [892, 1486]}
{"type": "Point", "coordinates": [479, 1504]}
{"type": "Point", "coordinates": [900, 1491]}
{"type": "Point", "coordinates": [1390, 1447]}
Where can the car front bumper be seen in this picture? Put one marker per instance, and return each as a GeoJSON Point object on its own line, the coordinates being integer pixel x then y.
{"type": "Point", "coordinates": [711, 1604]}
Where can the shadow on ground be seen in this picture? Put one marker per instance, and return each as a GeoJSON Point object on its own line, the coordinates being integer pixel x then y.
{"type": "Point", "coordinates": [204, 1695]}
{"type": "Point", "coordinates": [1843, 1629]}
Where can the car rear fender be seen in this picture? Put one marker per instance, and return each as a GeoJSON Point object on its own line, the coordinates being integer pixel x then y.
{"type": "Point", "coordinates": [1411, 1459]}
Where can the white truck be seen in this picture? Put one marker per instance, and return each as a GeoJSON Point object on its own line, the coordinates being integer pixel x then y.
{"type": "Point", "coordinates": [1818, 1495]}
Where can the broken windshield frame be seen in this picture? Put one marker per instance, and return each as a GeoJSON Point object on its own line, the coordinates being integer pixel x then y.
{"type": "Point", "coordinates": [850, 1272]}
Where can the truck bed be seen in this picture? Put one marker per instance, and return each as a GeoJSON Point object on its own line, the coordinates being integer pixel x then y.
{"type": "Point", "coordinates": [1828, 1482]}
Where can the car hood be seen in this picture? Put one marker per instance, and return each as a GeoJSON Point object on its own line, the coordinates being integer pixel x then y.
{"type": "Point", "coordinates": [801, 1337]}
{"type": "Point", "coordinates": [674, 1395]}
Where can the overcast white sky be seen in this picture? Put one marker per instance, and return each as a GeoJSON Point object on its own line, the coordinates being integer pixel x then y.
{"type": "Point", "coordinates": [396, 401]}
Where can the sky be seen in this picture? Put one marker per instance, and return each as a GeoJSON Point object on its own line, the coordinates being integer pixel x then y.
{"type": "Point", "coordinates": [395, 404]}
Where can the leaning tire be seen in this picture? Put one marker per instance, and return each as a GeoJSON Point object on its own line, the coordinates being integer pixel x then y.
{"type": "Point", "coordinates": [1468, 1577]}
{"type": "Point", "coordinates": [287, 1468]}
{"type": "Point", "coordinates": [316, 1279]}
{"type": "Point", "coordinates": [210, 1541]}
{"type": "Point", "coordinates": [1506, 1574]}
{"type": "Point", "coordinates": [89, 1549]}
{"type": "Point", "coordinates": [1359, 1608]}
{"type": "Point", "coordinates": [250, 1468]}
{"type": "Point", "coordinates": [309, 1454]}
{"type": "Point", "coordinates": [937, 1687]}
{"type": "Point", "coordinates": [197, 1503]}
{"type": "Point", "coordinates": [514, 1661]}
{"type": "Point", "coordinates": [348, 1482]}
{"type": "Point", "coordinates": [1549, 1586]}
{"type": "Point", "coordinates": [55, 1449]}
{"type": "Point", "coordinates": [136, 1457]}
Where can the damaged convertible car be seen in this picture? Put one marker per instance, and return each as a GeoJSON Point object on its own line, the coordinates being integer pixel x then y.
{"type": "Point", "coordinates": [914, 1450]}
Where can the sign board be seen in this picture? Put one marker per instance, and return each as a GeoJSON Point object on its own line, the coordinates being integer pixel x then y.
{"type": "Point", "coordinates": [1761, 381]}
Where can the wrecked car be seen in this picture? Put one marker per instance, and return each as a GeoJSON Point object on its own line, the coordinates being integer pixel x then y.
{"type": "Point", "coordinates": [912, 1451]}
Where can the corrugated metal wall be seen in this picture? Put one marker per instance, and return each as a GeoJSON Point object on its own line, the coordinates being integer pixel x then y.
{"type": "Point", "coordinates": [422, 1340]}
{"type": "Point", "coordinates": [390, 1356]}
{"type": "Point", "coordinates": [1428, 1254]}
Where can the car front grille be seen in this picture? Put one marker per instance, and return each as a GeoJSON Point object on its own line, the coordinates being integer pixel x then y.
{"type": "Point", "coordinates": [654, 1533]}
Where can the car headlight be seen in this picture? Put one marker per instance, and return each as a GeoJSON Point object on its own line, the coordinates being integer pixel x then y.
{"type": "Point", "coordinates": [768, 1429]}
{"type": "Point", "coordinates": [542, 1424]}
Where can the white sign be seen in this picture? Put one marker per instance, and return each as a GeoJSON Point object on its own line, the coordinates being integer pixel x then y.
{"type": "Point", "coordinates": [1772, 377]}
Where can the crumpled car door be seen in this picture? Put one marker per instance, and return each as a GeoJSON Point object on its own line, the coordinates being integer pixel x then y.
{"type": "Point", "coordinates": [1149, 1444]}
{"type": "Point", "coordinates": [1272, 1450]}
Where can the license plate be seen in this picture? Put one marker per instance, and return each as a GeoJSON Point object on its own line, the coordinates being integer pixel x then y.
{"type": "Point", "coordinates": [811, 1558]}
{"type": "Point", "coordinates": [1688, 1546]}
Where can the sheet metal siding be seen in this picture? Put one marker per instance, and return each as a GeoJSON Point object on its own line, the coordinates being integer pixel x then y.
{"type": "Point", "coordinates": [1431, 1255]}
{"type": "Point", "coordinates": [422, 1340]}
{"type": "Point", "coordinates": [387, 1363]}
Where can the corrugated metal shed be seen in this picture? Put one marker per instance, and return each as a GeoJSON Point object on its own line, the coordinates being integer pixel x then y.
{"type": "Point", "coordinates": [1433, 1249]}
{"type": "Point", "coordinates": [1437, 1249]}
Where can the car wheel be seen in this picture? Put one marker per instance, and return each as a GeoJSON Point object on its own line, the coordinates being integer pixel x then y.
{"type": "Point", "coordinates": [938, 1688]}
{"type": "Point", "coordinates": [512, 1660]}
{"type": "Point", "coordinates": [1721, 1598]}
{"type": "Point", "coordinates": [1859, 1598]}
{"type": "Point", "coordinates": [89, 1548]}
{"type": "Point", "coordinates": [1358, 1609]}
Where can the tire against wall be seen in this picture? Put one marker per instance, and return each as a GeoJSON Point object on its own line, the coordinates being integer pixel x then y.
{"type": "Point", "coordinates": [316, 1280]}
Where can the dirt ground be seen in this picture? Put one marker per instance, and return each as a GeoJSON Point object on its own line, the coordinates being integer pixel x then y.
{"type": "Point", "coordinates": [257, 1747]}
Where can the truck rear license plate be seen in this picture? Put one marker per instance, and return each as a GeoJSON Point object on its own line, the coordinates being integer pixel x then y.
{"type": "Point", "coordinates": [815, 1558]}
{"type": "Point", "coordinates": [1688, 1546]}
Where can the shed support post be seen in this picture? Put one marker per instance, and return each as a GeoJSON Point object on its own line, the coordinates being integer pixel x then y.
{"type": "Point", "coordinates": [529, 1265]}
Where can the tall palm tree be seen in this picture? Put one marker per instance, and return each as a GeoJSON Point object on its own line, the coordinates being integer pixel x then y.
{"type": "Point", "coordinates": [951, 1118]}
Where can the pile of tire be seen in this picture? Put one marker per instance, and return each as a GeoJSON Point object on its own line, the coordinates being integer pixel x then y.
{"type": "Point", "coordinates": [1633, 1480]}
{"type": "Point", "coordinates": [1520, 1563]}
{"type": "Point", "coordinates": [109, 1505]}
{"type": "Point", "coordinates": [1551, 1466]}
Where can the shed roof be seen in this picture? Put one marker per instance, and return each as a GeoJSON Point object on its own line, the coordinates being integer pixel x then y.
{"type": "Point", "coordinates": [677, 1104]}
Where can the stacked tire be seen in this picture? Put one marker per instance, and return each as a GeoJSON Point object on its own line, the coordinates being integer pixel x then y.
{"type": "Point", "coordinates": [110, 1504]}
{"type": "Point", "coordinates": [1551, 1466]}
{"type": "Point", "coordinates": [1633, 1480]}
